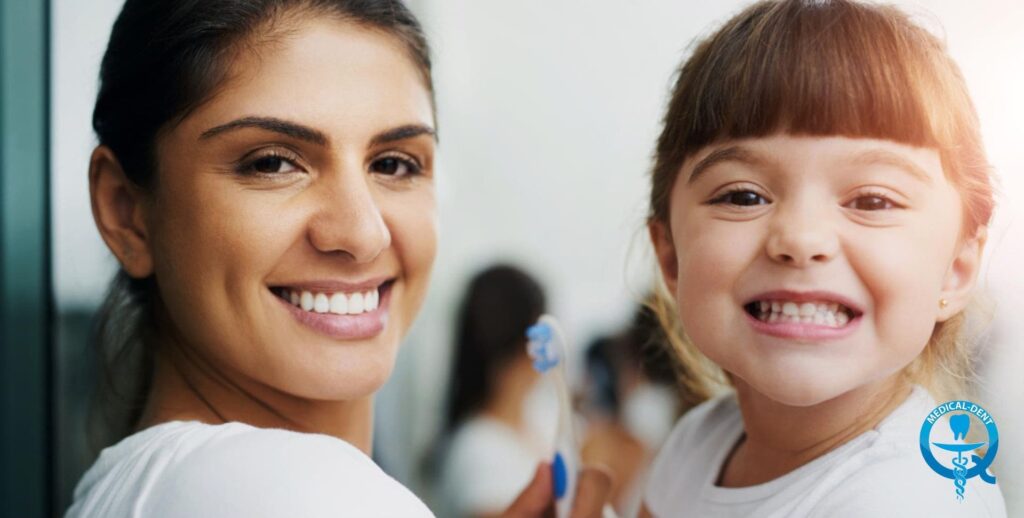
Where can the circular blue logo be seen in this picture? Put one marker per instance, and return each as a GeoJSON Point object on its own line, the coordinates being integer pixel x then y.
{"type": "Point", "coordinates": [966, 465]}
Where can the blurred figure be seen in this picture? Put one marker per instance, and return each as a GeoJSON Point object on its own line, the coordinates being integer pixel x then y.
{"type": "Point", "coordinates": [493, 450]}
{"type": "Point", "coordinates": [631, 402]}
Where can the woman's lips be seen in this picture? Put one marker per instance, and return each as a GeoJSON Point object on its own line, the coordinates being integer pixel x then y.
{"type": "Point", "coordinates": [344, 327]}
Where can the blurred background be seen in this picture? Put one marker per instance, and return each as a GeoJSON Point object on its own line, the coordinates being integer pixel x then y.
{"type": "Point", "coordinates": [548, 112]}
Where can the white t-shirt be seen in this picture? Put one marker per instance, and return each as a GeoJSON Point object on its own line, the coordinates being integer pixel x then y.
{"type": "Point", "coordinates": [190, 469]}
{"type": "Point", "coordinates": [487, 464]}
{"type": "Point", "coordinates": [879, 473]}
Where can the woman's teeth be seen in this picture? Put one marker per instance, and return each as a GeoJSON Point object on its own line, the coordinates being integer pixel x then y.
{"type": "Point", "coordinates": [337, 303]}
{"type": "Point", "coordinates": [829, 314]}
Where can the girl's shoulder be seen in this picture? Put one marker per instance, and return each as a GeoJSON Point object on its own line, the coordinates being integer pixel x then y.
{"type": "Point", "coordinates": [889, 476]}
{"type": "Point", "coordinates": [701, 438]}
{"type": "Point", "coordinates": [195, 469]}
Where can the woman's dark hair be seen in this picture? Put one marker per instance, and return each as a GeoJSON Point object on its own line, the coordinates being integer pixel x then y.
{"type": "Point", "coordinates": [165, 58]}
{"type": "Point", "coordinates": [500, 303]}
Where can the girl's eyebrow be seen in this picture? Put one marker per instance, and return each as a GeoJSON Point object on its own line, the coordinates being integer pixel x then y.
{"type": "Point", "coordinates": [735, 153]}
{"type": "Point", "coordinates": [889, 158]}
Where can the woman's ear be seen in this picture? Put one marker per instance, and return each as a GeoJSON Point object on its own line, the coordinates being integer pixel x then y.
{"type": "Point", "coordinates": [118, 206]}
{"type": "Point", "coordinates": [961, 276]}
{"type": "Point", "coordinates": [665, 252]}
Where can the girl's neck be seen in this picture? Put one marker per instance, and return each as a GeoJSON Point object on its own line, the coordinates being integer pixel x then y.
{"type": "Point", "coordinates": [186, 387]}
{"type": "Point", "coordinates": [779, 438]}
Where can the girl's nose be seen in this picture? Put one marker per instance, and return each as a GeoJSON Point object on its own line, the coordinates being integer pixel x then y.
{"type": "Point", "coordinates": [349, 219]}
{"type": "Point", "coordinates": [801, 236]}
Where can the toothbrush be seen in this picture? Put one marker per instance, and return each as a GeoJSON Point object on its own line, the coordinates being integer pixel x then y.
{"type": "Point", "coordinates": [547, 348]}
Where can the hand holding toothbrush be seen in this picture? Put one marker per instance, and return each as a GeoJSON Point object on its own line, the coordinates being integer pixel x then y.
{"type": "Point", "coordinates": [593, 488]}
{"type": "Point", "coordinates": [577, 491]}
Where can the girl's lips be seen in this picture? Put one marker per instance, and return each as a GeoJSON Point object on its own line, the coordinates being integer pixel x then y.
{"type": "Point", "coordinates": [802, 331]}
{"type": "Point", "coordinates": [344, 327]}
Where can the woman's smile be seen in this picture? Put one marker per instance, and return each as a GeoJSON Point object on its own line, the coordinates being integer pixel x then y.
{"type": "Point", "coordinates": [344, 312]}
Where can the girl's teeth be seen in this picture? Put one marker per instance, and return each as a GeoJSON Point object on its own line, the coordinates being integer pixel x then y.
{"type": "Point", "coordinates": [337, 303]}
{"type": "Point", "coordinates": [830, 314]}
{"type": "Point", "coordinates": [808, 309]}
{"type": "Point", "coordinates": [790, 309]}
{"type": "Point", "coordinates": [842, 319]}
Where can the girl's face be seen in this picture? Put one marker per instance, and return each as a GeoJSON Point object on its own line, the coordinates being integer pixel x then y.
{"type": "Point", "coordinates": [308, 175]}
{"type": "Point", "coordinates": [810, 266]}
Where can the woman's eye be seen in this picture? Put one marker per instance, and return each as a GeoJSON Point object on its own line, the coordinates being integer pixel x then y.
{"type": "Point", "coordinates": [271, 164]}
{"type": "Point", "coordinates": [743, 198]}
{"type": "Point", "coordinates": [872, 202]}
{"type": "Point", "coordinates": [394, 166]}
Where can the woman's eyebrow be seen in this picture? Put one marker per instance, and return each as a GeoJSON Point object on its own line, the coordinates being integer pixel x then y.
{"type": "Point", "coordinates": [886, 157]}
{"type": "Point", "coordinates": [273, 124]}
{"type": "Point", "coordinates": [728, 154]}
{"type": "Point", "coordinates": [401, 133]}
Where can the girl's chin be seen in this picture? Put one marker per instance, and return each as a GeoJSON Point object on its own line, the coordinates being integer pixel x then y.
{"type": "Point", "coordinates": [805, 392]}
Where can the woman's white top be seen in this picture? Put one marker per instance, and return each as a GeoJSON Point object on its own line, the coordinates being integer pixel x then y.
{"type": "Point", "coordinates": [879, 473]}
{"type": "Point", "coordinates": [190, 469]}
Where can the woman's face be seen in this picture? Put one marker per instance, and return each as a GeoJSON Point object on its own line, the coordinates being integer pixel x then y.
{"type": "Point", "coordinates": [308, 176]}
{"type": "Point", "coordinates": [810, 266]}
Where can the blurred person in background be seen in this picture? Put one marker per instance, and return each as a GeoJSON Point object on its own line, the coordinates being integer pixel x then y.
{"type": "Point", "coordinates": [630, 401]}
{"type": "Point", "coordinates": [492, 447]}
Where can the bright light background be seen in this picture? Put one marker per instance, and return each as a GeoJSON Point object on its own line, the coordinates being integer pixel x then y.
{"type": "Point", "coordinates": [548, 111]}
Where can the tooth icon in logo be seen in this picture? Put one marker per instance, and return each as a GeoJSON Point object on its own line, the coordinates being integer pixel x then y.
{"type": "Point", "coordinates": [959, 423]}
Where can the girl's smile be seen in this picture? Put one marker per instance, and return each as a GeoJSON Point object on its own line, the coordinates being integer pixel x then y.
{"type": "Point", "coordinates": [807, 266]}
{"type": "Point", "coordinates": [810, 316]}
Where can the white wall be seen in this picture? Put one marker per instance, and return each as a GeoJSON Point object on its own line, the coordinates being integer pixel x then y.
{"type": "Point", "coordinates": [548, 113]}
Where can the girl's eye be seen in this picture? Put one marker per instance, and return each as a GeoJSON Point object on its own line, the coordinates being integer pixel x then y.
{"type": "Point", "coordinates": [872, 202]}
{"type": "Point", "coordinates": [740, 197]}
{"type": "Point", "coordinates": [397, 166]}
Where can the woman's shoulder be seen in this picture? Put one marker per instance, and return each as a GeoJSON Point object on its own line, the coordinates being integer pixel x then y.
{"type": "Point", "coordinates": [190, 469]}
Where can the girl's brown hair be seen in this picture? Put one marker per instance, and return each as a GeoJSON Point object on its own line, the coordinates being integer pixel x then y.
{"type": "Point", "coordinates": [827, 67]}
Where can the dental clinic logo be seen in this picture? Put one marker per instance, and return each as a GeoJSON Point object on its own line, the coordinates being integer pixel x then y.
{"type": "Point", "coordinates": [966, 464]}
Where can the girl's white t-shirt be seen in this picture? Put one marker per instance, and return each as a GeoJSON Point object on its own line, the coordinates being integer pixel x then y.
{"type": "Point", "coordinates": [190, 469]}
{"type": "Point", "coordinates": [879, 473]}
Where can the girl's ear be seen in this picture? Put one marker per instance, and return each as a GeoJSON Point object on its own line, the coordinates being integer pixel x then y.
{"type": "Point", "coordinates": [665, 252]}
{"type": "Point", "coordinates": [118, 206]}
{"type": "Point", "coordinates": [961, 276]}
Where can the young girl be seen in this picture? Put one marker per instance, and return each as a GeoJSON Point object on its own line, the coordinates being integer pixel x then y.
{"type": "Point", "coordinates": [818, 211]}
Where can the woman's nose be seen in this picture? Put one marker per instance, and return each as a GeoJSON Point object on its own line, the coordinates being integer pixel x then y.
{"type": "Point", "coordinates": [349, 218]}
{"type": "Point", "coordinates": [801, 235]}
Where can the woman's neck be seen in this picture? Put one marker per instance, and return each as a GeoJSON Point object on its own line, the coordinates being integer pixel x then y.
{"type": "Point", "coordinates": [779, 438]}
{"type": "Point", "coordinates": [186, 387]}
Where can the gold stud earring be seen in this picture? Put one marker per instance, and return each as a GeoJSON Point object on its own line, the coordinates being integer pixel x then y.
{"type": "Point", "coordinates": [943, 303]}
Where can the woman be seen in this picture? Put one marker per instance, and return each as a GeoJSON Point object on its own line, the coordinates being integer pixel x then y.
{"type": "Point", "coordinates": [265, 179]}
